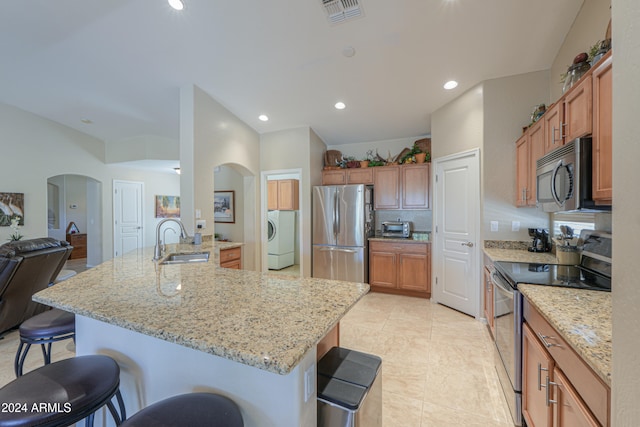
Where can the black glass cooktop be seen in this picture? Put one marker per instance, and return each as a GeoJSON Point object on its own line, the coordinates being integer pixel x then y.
{"type": "Point", "coordinates": [553, 275]}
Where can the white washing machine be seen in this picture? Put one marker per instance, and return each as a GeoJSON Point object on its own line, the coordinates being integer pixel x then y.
{"type": "Point", "coordinates": [281, 245]}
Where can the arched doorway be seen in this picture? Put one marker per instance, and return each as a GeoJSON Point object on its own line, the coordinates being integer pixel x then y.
{"type": "Point", "coordinates": [77, 199]}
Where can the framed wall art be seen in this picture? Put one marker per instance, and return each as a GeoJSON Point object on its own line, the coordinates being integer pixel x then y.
{"type": "Point", "coordinates": [224, 207]}
{"type": "Point", "coordinates": [11, 206]}
{"type": "Point", "coordinates": [167, 206]}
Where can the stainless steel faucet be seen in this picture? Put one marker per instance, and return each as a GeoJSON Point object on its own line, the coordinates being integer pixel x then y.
{"type": "Point", "coordinates": [159, 249]}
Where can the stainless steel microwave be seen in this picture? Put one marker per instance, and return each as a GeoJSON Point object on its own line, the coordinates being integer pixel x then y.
{"type": "Point", "coordinates": [564, 178]}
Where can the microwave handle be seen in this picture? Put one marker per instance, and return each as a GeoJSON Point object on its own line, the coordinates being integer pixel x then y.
{"type": "Point", "coordinates": [554, 174]}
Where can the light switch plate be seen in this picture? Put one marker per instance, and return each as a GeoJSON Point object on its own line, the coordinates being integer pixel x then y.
{"type": "Point", "coordinates": [494, 225]}
{"type": "Point", "coordinates": [515, 225]}
{"type": "Point", "coordinates": [309, 383]}
{"type": "Point", "coordinates": [198, 214]}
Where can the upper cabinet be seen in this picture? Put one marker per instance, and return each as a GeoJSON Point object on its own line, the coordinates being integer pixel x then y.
{"type": "Point", "coordinates": [347, 176]}
{"type": "Point", "coordinates": [570, 117]}
{"type": "Point", "coordinates": [283, 195]}
{"type": "Point", "coordinates": [402, 187]}
{"type": "Point", "coordinates": [585, 109]}
{"type": "Point", "coordinates": [529, 148]}
{"type": "Point", "coordinates": [602, 148]}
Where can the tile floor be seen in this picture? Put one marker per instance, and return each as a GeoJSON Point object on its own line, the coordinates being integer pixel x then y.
{"type": "Point", "coordinates": [437, 366]}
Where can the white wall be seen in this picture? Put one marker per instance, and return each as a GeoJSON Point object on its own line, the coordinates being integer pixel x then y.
{"type": "Point", "coordinates": [210, 136]}
{"type": "Point", "coordinates": [458, 126]}
{"type": "Point", "coordinates": [588, 28]}
{"type": "Point", "coordinates": [36, 149]}
{"type": "Point", "coordinates": [625, 410]}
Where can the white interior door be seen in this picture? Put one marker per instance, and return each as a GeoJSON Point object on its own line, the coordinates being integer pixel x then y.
{"type": "Point", "coordinates": [457, 225]}
{"type": "Point", "coordinates": [127, 216]}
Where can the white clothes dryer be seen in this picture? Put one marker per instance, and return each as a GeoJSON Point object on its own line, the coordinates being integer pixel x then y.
{"type": "Point", "coordinates": [281, 234]}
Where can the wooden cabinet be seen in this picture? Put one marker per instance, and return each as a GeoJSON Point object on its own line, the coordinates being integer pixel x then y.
{"type": "Point", "coordinates": [231, 258]}
{"type": "Point", "coordinates": [386, 187]}
{"type": "Point", "coordinates": [602, 130]}
{"type": "Point", "coordinates": [79, 243]}
{"type": "Point", "coordinates": [348, 176]}
{"type": "Point", "coordinates": [537, 372]}
{"type": "Point", "coordinates": [488, 301]}
{"type": "Point", "coordinates": [571, 117]}
{"type": "Point", "coordinates": [283, 195]}
{"type": "Point", "coordinates": [578, 110]}
{"type": "Point", "coordinates": [402, 187]}
{"type": "Point", "coordinates": [553, 371]}
{"type": "Point", "coordinates": [401, 268]}
{"type": "Point", "coordinates": [529, 148]}
{"type": "Point", "coordinates": [415, 186]}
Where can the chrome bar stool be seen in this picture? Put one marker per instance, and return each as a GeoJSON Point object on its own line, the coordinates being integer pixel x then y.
{"type": "Point", "coordinates": [44, 329]}
{"type": "Point", "coordinates": [192, 409]}
{"type": "Point", "coordinates": [63, 393]}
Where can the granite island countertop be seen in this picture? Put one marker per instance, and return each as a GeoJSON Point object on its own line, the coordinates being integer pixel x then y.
{"type": "Point", "coordinates": [582, 318]}
{"type": "Point", "coordinates": [261, 320]}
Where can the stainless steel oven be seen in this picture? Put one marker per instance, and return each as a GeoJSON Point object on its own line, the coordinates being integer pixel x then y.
{"type": "Point", "coordinates": [507, 306]}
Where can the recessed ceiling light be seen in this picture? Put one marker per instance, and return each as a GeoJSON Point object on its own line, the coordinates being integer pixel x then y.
{"type": "Point", "coordinates": [340, 105]}
{"type": "Point", "coordinates": [176, 4]}
{"type": "Point", "coordinates": [263, 117]}
{"type": "Point", "coordinates": [349, 51]}
{"type": "Point", "coordinates": [451, 84]}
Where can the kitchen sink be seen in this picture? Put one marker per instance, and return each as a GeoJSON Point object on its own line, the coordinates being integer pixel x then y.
{"type": "Point", "coordinates": [185, 257]}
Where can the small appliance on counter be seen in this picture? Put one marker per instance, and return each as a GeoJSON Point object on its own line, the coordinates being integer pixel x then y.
{"type": "Point", "coordinates": [398, 228]}
{"type": "Point", "coordinates": [540, 241]}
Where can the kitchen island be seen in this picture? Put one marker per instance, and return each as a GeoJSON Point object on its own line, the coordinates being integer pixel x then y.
{"type": "Point", "coordinates": [198, 327]}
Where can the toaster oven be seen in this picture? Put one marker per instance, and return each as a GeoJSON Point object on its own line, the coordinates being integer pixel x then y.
{"type": "Point", "coordinates": [396, 229]}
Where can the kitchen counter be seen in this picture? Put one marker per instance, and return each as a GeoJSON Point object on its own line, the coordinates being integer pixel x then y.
{"type": "Point", "coordinates": [519, 255]}
{"type": "Point", "coordinates": [198, 327]}
{"type": "Point", "coordinates": [397, 239]}
{"type": "Point", "coordinates": [582, 318]}
{"type": "Point", "coordinates": [224, 312]}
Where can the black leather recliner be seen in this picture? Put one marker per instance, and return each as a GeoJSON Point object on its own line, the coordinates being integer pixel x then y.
{"type": "Point", "coordinates": [27, 267]}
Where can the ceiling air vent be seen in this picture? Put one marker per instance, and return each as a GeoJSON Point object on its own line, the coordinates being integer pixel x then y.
{"type": "Point", "coordinates": [342, 10]}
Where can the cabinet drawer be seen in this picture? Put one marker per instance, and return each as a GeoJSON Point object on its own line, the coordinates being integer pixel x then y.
{"type": "Point", "coordinates": [411, 248]}
{"type": "Point", "coordinates": [590, 387]}
{"type": "Point", "coordinates": [232, 254]}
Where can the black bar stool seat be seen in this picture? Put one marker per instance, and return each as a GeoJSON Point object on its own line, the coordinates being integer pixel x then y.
{"type": "Point", "coordinates": [192, 409]}
{"type": "Point", "coordinates": [63, 393]}
{"type": "Point", "coordinates": [44, 329]}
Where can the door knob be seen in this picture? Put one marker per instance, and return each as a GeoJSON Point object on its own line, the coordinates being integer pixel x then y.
{"type": "Point", "coordinates": [469, 244]}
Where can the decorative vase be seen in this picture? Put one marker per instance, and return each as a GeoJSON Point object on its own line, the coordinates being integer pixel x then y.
{"type": "Point", "coordinates": [364, 163]}
{"type": "Point", "coordinates": [420, 157]}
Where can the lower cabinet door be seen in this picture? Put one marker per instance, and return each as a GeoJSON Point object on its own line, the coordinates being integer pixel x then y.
{"type": "Point", "coordinates": [537, 368]}
{"type": "Point", "coordinates": [382, 269]}
{"type": "Point", "coordinates": [413, 273]}
{"type": "Point", "coordinates": [569, 409]}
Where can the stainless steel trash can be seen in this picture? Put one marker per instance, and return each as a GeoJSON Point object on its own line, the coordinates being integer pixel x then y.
{"type": "Point", "coordinates": [349, 389]}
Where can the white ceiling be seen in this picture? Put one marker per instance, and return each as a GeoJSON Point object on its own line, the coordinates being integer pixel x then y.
{"type": "Point", "coordinates": [121, 63]}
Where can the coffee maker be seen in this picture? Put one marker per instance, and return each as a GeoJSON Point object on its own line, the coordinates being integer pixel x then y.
{"type": "Point", "coordinates": [540, 241]}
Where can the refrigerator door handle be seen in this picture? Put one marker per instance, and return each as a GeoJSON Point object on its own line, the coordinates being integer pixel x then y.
{"type": "Point", "coordinates": [335, 215]}
{"type": "Point", "coordinates": [334, 249]}
{"type": "Point", "coordinates": [337, 207]}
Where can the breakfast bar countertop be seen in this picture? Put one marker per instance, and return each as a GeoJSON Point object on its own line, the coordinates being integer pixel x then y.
{"type": "Point", "coordinates": [257, 319]}
{"type": "Point", "coordinates": [582, 318]}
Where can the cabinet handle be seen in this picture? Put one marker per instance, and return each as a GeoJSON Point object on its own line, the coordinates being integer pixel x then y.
{"type": "Point", "coordinates": [468, 244]}
{"type": "Point", "coordinates": [546, 343]}
{"type": "Point", "coordinates": [524, 194]}
{"type": "Point", "coordinates": [548, 392]}
{"type": "Point", "coordinates": [540, 369]}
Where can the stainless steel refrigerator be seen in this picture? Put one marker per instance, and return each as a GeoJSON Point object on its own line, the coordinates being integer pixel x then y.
{"type": "Point", "coordinates": [342, 223]}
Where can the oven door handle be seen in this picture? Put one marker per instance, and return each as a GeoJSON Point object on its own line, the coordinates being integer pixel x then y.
{"type": "Point", "coordinates": [500, 284]}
